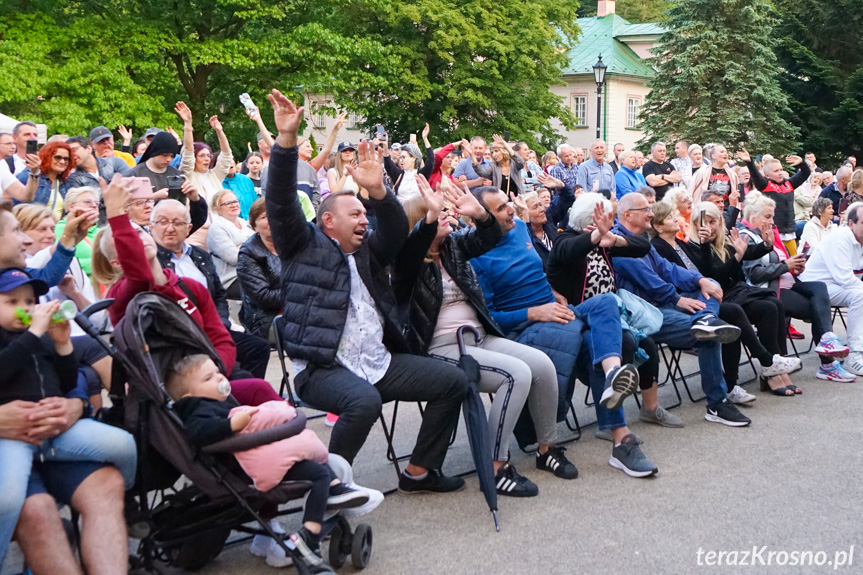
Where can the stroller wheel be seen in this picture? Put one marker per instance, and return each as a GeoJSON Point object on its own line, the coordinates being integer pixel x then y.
{"type": "Point", "coordinates": [361, 549]}
{"type": "Point", "coordinates": [338, 544]}
{"type": "Point", "coordinates": [200, 549]}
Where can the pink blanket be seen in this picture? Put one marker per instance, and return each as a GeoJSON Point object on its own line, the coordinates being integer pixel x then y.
{"type": "Point", "coordinates": [268, 464]}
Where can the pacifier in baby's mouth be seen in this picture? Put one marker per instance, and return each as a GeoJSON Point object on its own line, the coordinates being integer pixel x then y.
{"type": "Point", "coordinates": [225, 386]}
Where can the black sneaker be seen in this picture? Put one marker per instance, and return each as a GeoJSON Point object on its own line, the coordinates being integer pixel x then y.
{"type": "Point", "coordinates": [508, 482]}
{"type": "Point", "coordinates": [620, 383]}
{"type": "Point", "coordinates": [711, 328]}
{"type": "Point", "coordinates": [308, 546]}
{"type": "Point", "coordinates": [433, 482]}
{"type": "Point", "coordinates": [556, 462]}
{"type": "Point", "coordinates": [629, 458]}
{"type": "Point", "coordinates": [343, 497]}
{"type": "Point", "coordinates": [726, 414]}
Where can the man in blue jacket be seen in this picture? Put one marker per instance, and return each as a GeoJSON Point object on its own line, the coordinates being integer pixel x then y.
{"type": "Point", "coordinates": [689, 303]}
{"type": "Point", "coordinates": [342, 329]}
{"type": "Point", "coordinates": [522, 302]}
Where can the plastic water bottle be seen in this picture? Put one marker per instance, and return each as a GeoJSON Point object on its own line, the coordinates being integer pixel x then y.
{"type": "Point", "coordinates": [66, 312]}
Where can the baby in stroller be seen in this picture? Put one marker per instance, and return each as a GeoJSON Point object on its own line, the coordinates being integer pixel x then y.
{"type": "Point", "coordinates": [202, 400]}
{"type": "Point", "coordinates": [38, 367]}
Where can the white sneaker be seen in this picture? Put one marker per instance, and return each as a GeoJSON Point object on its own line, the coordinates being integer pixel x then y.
{"type": "Point", "coordinates": [739, 395]}
{"type": "Point", "coordinates": [264, 546]}
{"type": "Point", "coordinates": [375, 499]}
{"type": "Point", "coordinates": [780, 365]}
{"type": "Point", "coordinates": [854, 363]}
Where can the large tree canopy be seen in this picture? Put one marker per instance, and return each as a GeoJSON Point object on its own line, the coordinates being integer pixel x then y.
{"type": "Point", "coordinates": [717, 79]}
{"type": "Point", "coordinates": [820, 52]}
{"type": "Point", "coordinates": [463, 66]}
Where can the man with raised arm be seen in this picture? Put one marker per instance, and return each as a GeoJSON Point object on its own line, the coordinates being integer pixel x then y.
{"type": "Point", "coordinates": [342, 329]}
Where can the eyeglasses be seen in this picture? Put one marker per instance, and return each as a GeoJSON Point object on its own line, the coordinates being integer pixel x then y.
{"type": "Point", "coordinates": [61, 159]}
{"type": "Point", "coordinates": [172, 223]}
{"type": "Point", "coordinates": [141, 203]}
{"type": "Point", "coordinates": [88, 203]}
{"type": "Point", "coordinates": [230, 204]}
{"type": "Point", "coordinates": [644, 209]}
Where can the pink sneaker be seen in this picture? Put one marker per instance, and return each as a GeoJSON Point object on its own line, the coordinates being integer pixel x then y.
{"type": "Point", "coordinates": [331, 420]}
{"type": "Point", "coordinates": [831, 345]}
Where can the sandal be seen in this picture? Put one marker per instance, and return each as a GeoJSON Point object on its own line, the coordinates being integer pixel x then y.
{"type": "Point", "coordinates": [781, 391]}
{"type": "Point", "coordinates": [795, 389]}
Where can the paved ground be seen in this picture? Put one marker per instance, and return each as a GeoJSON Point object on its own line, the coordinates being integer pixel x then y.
{"type": "Point", "coordinates": [790, 482]}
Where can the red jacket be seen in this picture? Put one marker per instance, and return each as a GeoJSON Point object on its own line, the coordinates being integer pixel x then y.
{"type": "Point", "coordinates": [436, 174]}
{"type": "Point", "coordinates": [137, 278]}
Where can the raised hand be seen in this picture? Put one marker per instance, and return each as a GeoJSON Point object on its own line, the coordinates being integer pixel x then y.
{"type": "Point", "coordinates": [215, 123]}
{"type": "Point", "coordinates": [602, 220]}
{"type": "Point", "coordinates": [519, 204]}
{"type": "Point", "coordinates": [465, 145]}
{"type": "Point", "coordinates": [125, 133]}
{"type": "Point", "coordinates": [738, 242]}
{"type": "Point", "coordinates": [174, 133]}
{"type": "Point", "coordinates": [341, 120]}
{"type": "Point", "coordinates": [434, 199]}
{"type": "Point", "coordinates": [425, 134]}
{"type": "Point", "coordinates": [793, 160]}
{"type": "Point", "coordinates": [184, 112]}
{"type": "Point", "coordinates": [548, 181]}
{"type": "Point", "coordinates": [743, 155]}
{"type": "Point", "coordinates": [287, 118]}
{"type": "Point", "coordinates": [465, 203]}
{"type": "Point", "coordinates": [368, 172]}
{"type": "Point", "coordinates": [116, 196]}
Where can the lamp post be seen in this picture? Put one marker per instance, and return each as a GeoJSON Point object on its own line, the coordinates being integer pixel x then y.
{"type": "Point", "coordinates": [599, 76]}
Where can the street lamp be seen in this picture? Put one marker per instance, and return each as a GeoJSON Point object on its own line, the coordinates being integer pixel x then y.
{"type": "Point", "coordinates": [599, 76]}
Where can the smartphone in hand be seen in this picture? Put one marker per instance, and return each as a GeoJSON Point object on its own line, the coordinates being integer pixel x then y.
{"type": "Point", "coordinates": [175, 183]}
{"type": "Point", "coordinates": [32, 146]}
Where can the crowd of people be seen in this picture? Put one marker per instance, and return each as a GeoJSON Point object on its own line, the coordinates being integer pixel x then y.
{"type": "Point", "coordinates": [569, 265]}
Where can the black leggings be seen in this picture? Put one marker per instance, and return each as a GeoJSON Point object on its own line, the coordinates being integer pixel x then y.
{"type": "Point", "coordinates": [648, 372]}
{"type": "Point", "coordinates": [320, 476]}
{"type": "Point", "coordinates": [809, 301]}
{"type": "Point", "coordinates": [734, 314]}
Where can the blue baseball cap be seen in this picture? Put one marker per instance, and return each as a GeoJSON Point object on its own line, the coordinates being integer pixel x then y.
{"type": "Point", "coordinates": [12, 278]}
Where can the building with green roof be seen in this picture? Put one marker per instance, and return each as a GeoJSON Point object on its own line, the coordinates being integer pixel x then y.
{"type": "Point", "coordinates": [625, 48]}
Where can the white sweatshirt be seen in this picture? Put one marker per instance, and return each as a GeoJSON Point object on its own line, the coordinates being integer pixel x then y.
{"type": "Point", "coordinates": [837, 261]}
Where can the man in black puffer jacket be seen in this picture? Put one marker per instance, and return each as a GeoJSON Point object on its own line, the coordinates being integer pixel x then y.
{"type": "Point", "coordinates": [342, 328]}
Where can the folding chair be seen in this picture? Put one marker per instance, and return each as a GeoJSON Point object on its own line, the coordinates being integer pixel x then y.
{"type": "Point", "coordinates": [797, 353]}
{"type": "Point", "coordinates": [837, 311]}
{"type": "Point", "coordinates": [276, 330]}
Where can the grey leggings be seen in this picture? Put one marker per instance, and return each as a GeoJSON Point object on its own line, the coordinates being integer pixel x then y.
{"type": "Point", "coordinates": [514, 373]}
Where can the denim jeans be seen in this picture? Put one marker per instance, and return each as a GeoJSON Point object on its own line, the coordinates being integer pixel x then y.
{"type": "Point", "coordinates": [580, 346]}
{"type": "Point", "coordinates": [87, 440]}
{"type": "Point", "coordinates": [675, 332]}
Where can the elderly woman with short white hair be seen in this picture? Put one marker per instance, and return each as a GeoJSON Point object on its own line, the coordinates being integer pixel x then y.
{"type": "Point", "coordinates": [83, 199]}
{"type": "Point", "coordinates": [580, 267]}
{"type": "Point", "coordinates": [628, 179]}
{"type": "Point", "coordinates": [227, 233]}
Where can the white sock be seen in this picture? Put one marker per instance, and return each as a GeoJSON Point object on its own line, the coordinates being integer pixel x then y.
{"type": "Point", "coordinates": [416, 477]}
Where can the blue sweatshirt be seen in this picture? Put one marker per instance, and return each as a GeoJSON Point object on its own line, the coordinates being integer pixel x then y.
{"type": "Point", "coordinates": [652, 278]}
{"type": "Point", "coordinates": [512, 279]}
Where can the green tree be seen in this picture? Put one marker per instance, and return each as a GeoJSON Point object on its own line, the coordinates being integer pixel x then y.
{"type": "Point", "coordinates": [640, 11]}
{"type": "Point", "coordinates": [470, 67]}
{"type": "Point", "coordinates": [819, 47]}
{"type": "Point", "coordinates": [716, 79]}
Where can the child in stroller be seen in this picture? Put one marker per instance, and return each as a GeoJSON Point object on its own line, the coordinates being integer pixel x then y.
{"type": "Point", "coordinates": [202, 400]}
{"type": "Point", "coordinates": [38, 365]}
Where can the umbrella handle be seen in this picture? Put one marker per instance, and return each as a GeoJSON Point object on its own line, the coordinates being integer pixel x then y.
{"type": "Point", "coordinates": [459, 335]}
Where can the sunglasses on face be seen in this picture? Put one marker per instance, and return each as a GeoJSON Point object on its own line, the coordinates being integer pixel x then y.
{"type": "Point", "coordinates": [61, 159]}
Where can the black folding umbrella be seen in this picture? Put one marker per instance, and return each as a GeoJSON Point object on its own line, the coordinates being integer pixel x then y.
{"type": "Point", "coordinates": [477, 424]}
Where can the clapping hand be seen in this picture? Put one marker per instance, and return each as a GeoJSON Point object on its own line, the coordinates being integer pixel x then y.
{"type": "Point", "coordinates": [368, 172]}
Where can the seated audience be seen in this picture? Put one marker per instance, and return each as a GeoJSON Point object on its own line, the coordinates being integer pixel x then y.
{"type": "Point", "coordinates": [837, 262]}
{"type": "Point", "coordinates": [689, 304]}
{"type": "Point", "coordinates": [259, 271]}
{"type": "Point", "coordinates": [579, 268]}
{"type": "Point", "coordinates": [803, 299]}
{"type": "Point", "coordinates": [818, 227]}
{"type": "Point", "coordinates": [434, 276]}
{"type": "Point", "coordinates": [342, 333]}
{"type": "Point", "coordinates": [524, 305]}
{"type": "Point", "coordinates": [227, 233]}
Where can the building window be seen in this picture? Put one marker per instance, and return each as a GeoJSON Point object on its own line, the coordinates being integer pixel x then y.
{"type": "Point", "coordinates": [633, 104]}
{"type": "Point", "coordinates": [353, 121]}
{"type": "Point", "coordinates": [579, 109]}
{"type": "Point", "coordinates": [319, 117]}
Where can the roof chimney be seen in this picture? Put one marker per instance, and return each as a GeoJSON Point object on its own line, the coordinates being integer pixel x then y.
{"type": "Point", "coordinates": [604, 8]}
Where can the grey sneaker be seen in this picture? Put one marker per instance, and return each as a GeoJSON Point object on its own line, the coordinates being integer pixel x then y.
{"type": "Point", "coordinates": [660, 416]}
{"type": "Point", "coordinates": [629, 458]}
{"type": "Point", "coordinates": [620, 383]}
{"type": "Point", "coordinates": [605, 435]}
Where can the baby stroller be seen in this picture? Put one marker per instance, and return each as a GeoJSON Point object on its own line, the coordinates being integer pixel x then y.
{"type": "Point", "coordinates": [188, 526]}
